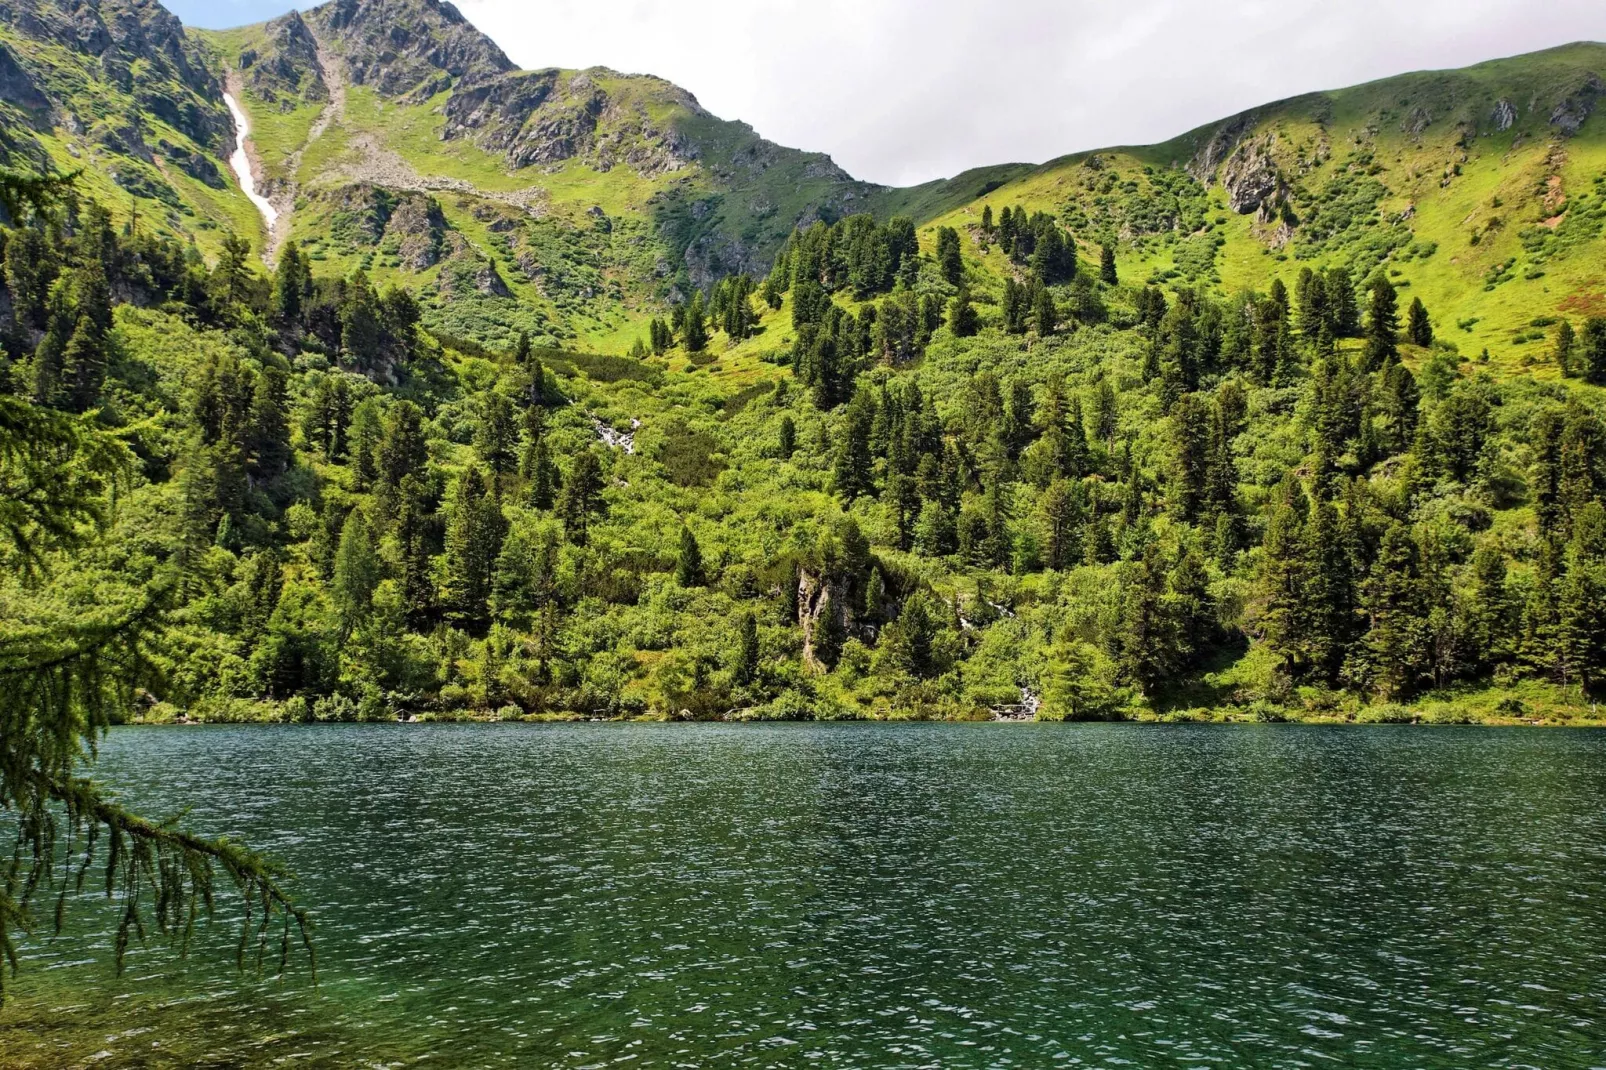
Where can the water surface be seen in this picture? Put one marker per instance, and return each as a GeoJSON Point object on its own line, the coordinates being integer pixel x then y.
{"type": "Point", "coordinates": [871, 896]}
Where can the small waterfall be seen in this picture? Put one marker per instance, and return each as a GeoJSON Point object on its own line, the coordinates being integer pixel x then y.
{"type": "Point", "coordinates": [241, 163]}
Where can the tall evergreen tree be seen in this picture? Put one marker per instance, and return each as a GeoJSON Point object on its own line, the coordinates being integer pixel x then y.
{"type": "Point", "coordinates": [1107, 269]}
{"type": "Point", "coordinates": [1419, 328]}
{"type": "Point", "coordinates": [950, 258]}
{"type": "Point", "coordinates": [689, 561]}
{"type": "Point", "coordinates": [1398, 654]}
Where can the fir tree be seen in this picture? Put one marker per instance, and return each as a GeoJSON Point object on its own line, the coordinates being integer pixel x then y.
{"type": "Point", "coordinates": [356, 574]}
{"type": "Point", "coordinates": [1107, 269]}
{"type": "Point", "coordinates": [950, 259]}
{"type": "Point", "coordinates": [1398, 654]}
{"type": "Point", "coordinates": [689, 561]}
{"type": "Point", "coordinates": [581, 497]}
{"type": "Point", "coordinates": [1566, 339]}
{"type": "Point", "coordinates": [744, 670]}
{"type": "Point", "coordinates": [1382, 325]}
{"type": "Point", "coordinates": [1419, 328]}
{"type": "Point", "coordinates": [962, 317]}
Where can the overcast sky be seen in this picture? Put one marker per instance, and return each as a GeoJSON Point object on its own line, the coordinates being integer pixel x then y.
{"type": "Point", "coordinates": [901, 91]}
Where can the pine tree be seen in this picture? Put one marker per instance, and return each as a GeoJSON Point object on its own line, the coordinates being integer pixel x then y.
{"type": "Point", "coordinates": [1592, 348]}
{"type": "Point", "coordinates": [474, 533]}
{"type": "Point", "coordinates": [496, 435]}
{"type": "Point", "coordinates": [853, 472]}
{"type": "Point", "coordinates": [689, 562]}
{"type": "Point", "coordinates": [1494, 612]}
{"type": "Point", "coordinates": [950, 259]}
{"type": "Point", "coordinates": [582, 497]}
{"type": "Point", "coordinates": [1282, 582]}
{"type": "Point", "coordinates": [1566, 339]}
{"type": "Point", "coordinates": [1382, 325]}
{"type": "Point", "coordinates": [1398, 655]}
{"type": "Point", "coordinates": [232, 279]}
{"type": "Point", "coordinates": [786, 443]}
{"type": "Point", "coordinates": [1045, 317]}
{"type": "Point", "coordinates": [1342, 308]}
{"type": "Point", "coordinates": [695, 332]}
{"type": "Point", "coordinates": [356, 576]}
{"type": "Point", "coordinates": [962, 317]}
{"type": "Point", "coordinates": [1107, 269]}
{"type": "Point", "coordinates": [1329, 608]}
{"type": "Point", "coordinates": [287, 287]}
{"type": "Point", "coordinates": [746, 663]}
{"type": "Point", "coordinates": [1059, 518]}
{"type": "Point", "coordinates": [1419, 328]}
{"type": "Point", "coordinates": [987, 220]}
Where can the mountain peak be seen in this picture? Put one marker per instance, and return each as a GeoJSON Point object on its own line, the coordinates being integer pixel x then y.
{"type": "Point", "coordinates": [407, 48]}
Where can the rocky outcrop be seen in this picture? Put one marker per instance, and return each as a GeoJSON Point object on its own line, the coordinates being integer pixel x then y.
{"type": "Point", "coordinates": [286, 69]}
{"type": "Point", "coordinates": [467, 271]}
{"type": "Point", "coordinates": [1574, 110]}
{"type": "Point", "coordinates": [1417, 121]}
{"type": "Point", "coordinates": [17, 86]}
{"type": "Point", "coordinates": [547, 117]}
{"type": "Point", "coordinates": [1504, 116]}
{"type": "Point", "coordinates": [141, 49]}
{"type": "Point", "coordinates": [192, 163]}
{"type": "Point", "coordinates": [1252, 179]}
{"type": "Point", "coordinates": [417, 227]}
{"type": "Point", "coordinates": [822, 610]}
{"type": "Point", "coordinates": [1221, 145]}
{"type": "Point", "coordinates": [408, 48]}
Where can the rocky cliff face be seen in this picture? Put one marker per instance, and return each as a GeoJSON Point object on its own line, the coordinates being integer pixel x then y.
{"type": "Point", "coordinates": [407, 48]}
{"type": "Point", "coordinates": [135, 47]}
{"type": "Point", "coordinates": [286, 70]}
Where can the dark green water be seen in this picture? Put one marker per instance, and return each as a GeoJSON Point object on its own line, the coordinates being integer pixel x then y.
{"type": "Point", "coordinates": [872, 896]}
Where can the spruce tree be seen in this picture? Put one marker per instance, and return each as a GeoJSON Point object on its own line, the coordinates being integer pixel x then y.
{"type": "Point", "coordinates": [357, 574]}
{"type": "Point", "coordinates": [950, 259]}
{"type": "Point", "coordinates": [1382, 325]}
{"type": "Point", "coordinates": [581, 497]}
{"type": "Point", "coordinates": [689, 561]}
{"type": "Point", "coordinates": [962, 317]}
{"type": "Point", "coordinates": [1419, 328]}
{"type": "Point", "coordinates": [1107, 270]}
{"type": "Point", "coordinates": [1592, 349]}
{"type": "Point", "coordinates": [746, 662]}
{"type": "Point", "coordinates": [1398, 655]}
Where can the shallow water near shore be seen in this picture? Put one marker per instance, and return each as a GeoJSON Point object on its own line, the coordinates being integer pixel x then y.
{"type": "Point", "coordinates": [868, 895]}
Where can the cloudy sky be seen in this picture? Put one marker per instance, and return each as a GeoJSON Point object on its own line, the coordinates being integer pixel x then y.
{"type": "Point", "coordinates": [901, 91]}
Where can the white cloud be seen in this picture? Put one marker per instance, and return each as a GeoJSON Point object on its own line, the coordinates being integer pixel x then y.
{"type": "Point", "coordinates": [901, 91]}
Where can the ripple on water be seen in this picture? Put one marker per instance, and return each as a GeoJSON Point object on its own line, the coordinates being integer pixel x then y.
{"type": "Point", "coordinates": [882, 896]}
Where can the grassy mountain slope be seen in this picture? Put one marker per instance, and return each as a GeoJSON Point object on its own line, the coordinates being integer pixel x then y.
{"type": "Point", "coordinates": [119, 92]}
{"type": "Point", "coordinates": [1481, 190]}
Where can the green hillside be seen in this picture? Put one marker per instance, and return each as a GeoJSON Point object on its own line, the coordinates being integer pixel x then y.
{"type": "Point", "coordinates": [1480, 190]}
{"type": "Point", "coordinates": [557, 396]}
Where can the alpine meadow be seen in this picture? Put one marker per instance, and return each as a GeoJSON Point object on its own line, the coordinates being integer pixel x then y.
{"type": "Point", "coordinates": [550, 396]}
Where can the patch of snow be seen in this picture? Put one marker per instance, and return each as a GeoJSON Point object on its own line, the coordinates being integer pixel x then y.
{"type": "Point", "coordinates": [240, 161]}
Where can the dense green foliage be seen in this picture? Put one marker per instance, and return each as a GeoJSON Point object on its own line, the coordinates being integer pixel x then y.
{"type": "Point", "coordinates": [956, 495]}
{"type": "Point", "coordinates": [76, 631]}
